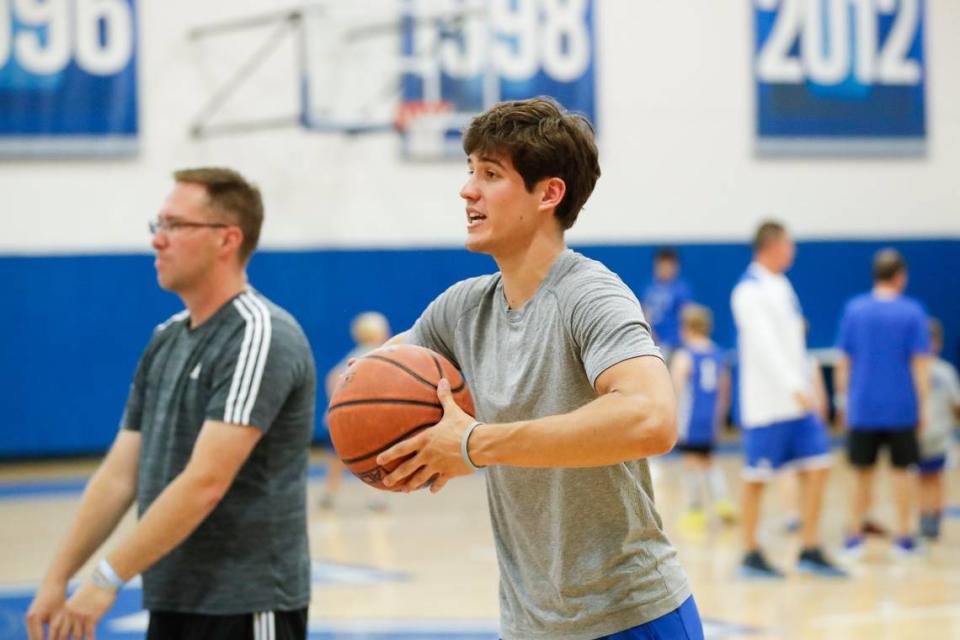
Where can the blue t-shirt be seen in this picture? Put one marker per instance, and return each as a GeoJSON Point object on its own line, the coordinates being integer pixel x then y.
{"type": "Point", "coordinates": [662, 302]}
{"type": "Point", "coordinates": [881, 336]}
{"type": "Point", "coordinates": [697, 414]}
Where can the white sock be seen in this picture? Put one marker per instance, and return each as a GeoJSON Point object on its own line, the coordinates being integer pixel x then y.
{"type": "Point", "coordinates": [696, 485]}
{"type": "Point", "coordinates": [717, 483]}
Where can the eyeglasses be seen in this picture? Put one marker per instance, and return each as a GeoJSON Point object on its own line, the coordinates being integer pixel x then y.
{"type": "Point", "coordinates": [172, 226]}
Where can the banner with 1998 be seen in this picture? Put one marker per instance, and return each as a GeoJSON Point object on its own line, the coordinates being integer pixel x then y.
{"type": "Point", "coordinates": [474, 55]}
{"type": "Point", "coordinates": [840, 76]}
{"type": "Point", "coordinates": [68, 77]}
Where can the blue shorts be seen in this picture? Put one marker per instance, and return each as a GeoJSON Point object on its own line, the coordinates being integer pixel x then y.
{"type": "Point", "coordinates": [930, 466]}
{"type": "Point", "coordinates": [682, 623]}
{"type": "Point", "coordinates": [801, 443]}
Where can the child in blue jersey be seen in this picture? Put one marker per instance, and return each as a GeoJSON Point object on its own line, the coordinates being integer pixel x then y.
{"type": "Point", "coordinates": [943, 411]}
{"type": "Point", "coordinates": [703, 389]}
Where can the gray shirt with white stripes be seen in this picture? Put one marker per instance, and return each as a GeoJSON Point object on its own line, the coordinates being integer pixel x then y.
{"type": "Point", "coordinates": [249, 364]}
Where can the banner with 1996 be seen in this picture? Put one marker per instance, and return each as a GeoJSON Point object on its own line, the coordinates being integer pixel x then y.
{"type": "Point", "coordinates": [68, 77]}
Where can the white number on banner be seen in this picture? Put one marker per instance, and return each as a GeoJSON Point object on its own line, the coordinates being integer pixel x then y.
{"type": "Point", "coordinates": [113, 55]}
{"type": "Point", "coordinates": [895, 67]}
{"type": "Point", "coordinates": [827, 56]}
{"type": "Point", "coordinates": [57, 30]}
{"type": "Point", "coordinates": [775, 64]}
{"type": "Point", "coordinates": [463, 57]}
{"type": "Point", "coordinates": [708, 376]}
{"type": "Point", "coordinates": [529, 35]}
{"type": "Point", "coordinates": [51, 53]}
{"type": "Point", "coordinates": [564, 24]}
{"type": "Point", "coordinates": [515, 52]}
{"type": "Point", "coordinates": [826, 46]}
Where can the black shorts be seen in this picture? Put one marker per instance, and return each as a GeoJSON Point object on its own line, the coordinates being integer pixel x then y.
{"type": "Point", "coordinates": [269, 625]}
{"type": "Point", "coordinates": [700, 449]}
{"type": "Point", "coordinates": [864, 444]}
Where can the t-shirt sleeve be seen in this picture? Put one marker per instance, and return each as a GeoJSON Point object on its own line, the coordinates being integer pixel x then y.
{"type": "Point", "coordinates": [133, 411]}
{"type": "Point", "coordinates": [608, 325]}
{"type": "Point", "coordinates": [436, 326]}
{"type": "Point", "coordinates": [257, 371]}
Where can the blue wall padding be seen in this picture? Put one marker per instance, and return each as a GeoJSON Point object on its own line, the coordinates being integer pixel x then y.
{"type": "Point", "coordinates": [73, 327]}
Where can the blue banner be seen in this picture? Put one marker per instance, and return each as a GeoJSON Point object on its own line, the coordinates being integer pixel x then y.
{"type": "Point", "coordinates": [68, 77]}
{"type": "Point", "coordinates": [840, 76]}
{"type": "Point", "coordinates": [470, 59]}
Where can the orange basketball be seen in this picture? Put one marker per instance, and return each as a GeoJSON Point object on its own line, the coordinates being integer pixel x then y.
{"type": "Point", "coordinates": [387, 396]}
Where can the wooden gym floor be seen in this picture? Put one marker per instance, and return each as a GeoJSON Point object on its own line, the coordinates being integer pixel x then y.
{"type": "Point", "coordinates": [425, 566]}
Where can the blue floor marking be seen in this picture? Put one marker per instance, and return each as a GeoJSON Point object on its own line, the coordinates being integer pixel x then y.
{"type": "Point", "coordinates": [25, 489]}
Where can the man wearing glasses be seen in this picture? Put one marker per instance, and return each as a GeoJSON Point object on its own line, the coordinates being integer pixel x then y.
{"type": "Point", "coordinates": [213, 447]}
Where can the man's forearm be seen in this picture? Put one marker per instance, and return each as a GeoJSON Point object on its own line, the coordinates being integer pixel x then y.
{"type": "Point", "coordinates": [173, 516]}
{"type": "Point", "coordinates": [105, 501]}
{"type": "Point", "coordinates": [611, 429]}
{"type": "Point", "coordinates": [841, 374]}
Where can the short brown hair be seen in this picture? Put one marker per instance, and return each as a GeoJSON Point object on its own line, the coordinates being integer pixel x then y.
{"type": "Point", "coordinates": [542, 140]}
{"type": "Point", "coordinates": [887, 263]}
{"type": "Point", "coordinates": [768, 232]}
{"type": "Point", "coordinates": [232, 196]}
{"type": "Point", "coordinates": [697, 318]}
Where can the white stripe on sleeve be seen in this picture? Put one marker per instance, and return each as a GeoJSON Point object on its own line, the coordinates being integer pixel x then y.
{"type": "Point", "coordinates": [241, 360]}
{"type": "Point", "coordinates": [254, 387]}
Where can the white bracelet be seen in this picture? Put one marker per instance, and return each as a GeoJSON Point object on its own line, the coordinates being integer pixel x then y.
{"type": "Point", "coordinates": [464, 442]}
{"type": "Point", "coordinates": [107, 572]}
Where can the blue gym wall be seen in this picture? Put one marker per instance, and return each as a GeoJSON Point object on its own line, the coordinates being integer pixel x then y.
{"type": "Point", "coordinates": [74, 326]}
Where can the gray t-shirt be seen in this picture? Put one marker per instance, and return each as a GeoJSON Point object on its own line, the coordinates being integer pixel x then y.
{"type": "Point", "coordinates": [944, 396]}
{"type": "Point", "coordinates": [249, 364]}
{"type": "Point", "coordinates": [582, 552]}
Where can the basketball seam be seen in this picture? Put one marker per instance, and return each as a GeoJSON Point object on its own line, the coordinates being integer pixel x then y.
{"type": "Point", "coordinates": [388, 445]}
{"type": "Point", "coordinates": [463, 381]}
{"type": "Point", "coordinates": [350, 403]}
{"type": "Point", "coordinates": [414, 374]}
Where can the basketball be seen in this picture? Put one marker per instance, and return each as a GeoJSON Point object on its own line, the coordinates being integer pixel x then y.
{"type": "Point", "coordinates": [387, 396]}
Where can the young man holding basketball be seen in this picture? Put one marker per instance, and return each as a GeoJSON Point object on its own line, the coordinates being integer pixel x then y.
{"type": "Point", "coordinates": [571, 390]}
{"type": "Point", "coordinates": [213, 446]}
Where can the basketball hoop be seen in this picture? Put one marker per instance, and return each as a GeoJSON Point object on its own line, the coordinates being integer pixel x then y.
{"type": "Point", "coordinates": [423, 125]}
{"type": "Point", "coordinates": [412, 110]}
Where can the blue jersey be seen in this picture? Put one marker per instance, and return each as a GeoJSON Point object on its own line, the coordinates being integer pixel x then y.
{"type": "Point", "coordinates": [881, 336]}
{"type": "Point", "coordinates": [697, 411]}
{"type": "Point", "coordinates": [662, 302]}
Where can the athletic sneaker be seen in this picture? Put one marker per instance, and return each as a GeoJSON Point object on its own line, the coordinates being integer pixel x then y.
{"type": "Point", "coordinates": [906, 547]}
{"type": "Point", "coordinates": [930, 526]}
{"type": "Point", "coordinates": [754, 565]}
{"type": "Point", "coordinates": [813, 562]}
{"type": "Point", "coordinates": [725, 511]}
{"type": "Point", "coordinates": [693, 522]}
{"type": "Point", "coordinates": [853, 547]}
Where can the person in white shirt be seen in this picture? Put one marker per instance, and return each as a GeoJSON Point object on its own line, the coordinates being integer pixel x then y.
{"type": "Point", "coordinates": [777, 410]}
